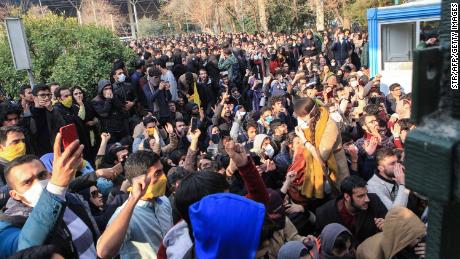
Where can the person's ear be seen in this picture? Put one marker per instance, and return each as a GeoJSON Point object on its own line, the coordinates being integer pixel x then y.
{"type": "Point", "coordinates": [380, 168]}
{"type": "Point", "coordinates": [347, 197]}
{"type": "Point", "coordinates": [15, 195]}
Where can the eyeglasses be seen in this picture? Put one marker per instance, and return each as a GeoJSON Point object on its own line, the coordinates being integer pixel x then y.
{"type": "Point", "coordinates": [372, 122]}
{"type": "Point", "coordinates": [95, 193]}
{"type": "Point", "coordinates": [43, 96]}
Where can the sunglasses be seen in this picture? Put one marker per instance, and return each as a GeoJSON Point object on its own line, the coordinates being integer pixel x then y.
{"type": "Point", "coordinates": [95, 193]}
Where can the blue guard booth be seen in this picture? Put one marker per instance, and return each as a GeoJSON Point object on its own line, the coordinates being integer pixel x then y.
{"type": "Point", "coordinates": [394, 32]}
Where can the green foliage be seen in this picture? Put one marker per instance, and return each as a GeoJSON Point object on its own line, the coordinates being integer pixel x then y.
{"type": "Point", "coordinates": [149, 27]}
{"type": "Point", "coordinates": [357, 10]}
{"type": "Point", "coordinates": [63, 51]}
{"type": "Point", "coordinates": [286, 18]}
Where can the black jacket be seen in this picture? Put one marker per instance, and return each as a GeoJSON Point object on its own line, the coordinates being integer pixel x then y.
{"type": "Point", "coordinates": [310, 43]}
{"type": "Point", "coordinates": [365, 225]}
{"type": "Point", "coordinates": [70, 115]}
{"type": "Point", "coordinates": [43, 127]}
{"type": "Point", "coordinates": [109, 112]}
{"type": "Point", "coordinates": [341, 49]}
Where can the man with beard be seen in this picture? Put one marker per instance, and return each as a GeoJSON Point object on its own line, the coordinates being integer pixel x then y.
{"type": "Point", "coordinates": [359, 211]}
{"type": "Point", "coordinates": [388, 182]}
{"type": "Point", "coordinates": [372, 140]}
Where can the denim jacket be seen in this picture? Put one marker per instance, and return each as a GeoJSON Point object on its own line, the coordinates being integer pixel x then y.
{"type": "Point", "coordinates": [44, 218]}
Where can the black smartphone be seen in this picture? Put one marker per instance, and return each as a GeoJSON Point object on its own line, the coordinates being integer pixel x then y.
{"type": "Point", "coordinates": [194, 124]}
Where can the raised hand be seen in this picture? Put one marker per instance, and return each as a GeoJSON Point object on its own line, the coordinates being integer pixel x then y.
{"type": "Point", "coordinates": [396, 130]}
{"type": "Point", "coordinates": [140, 184]}
{"type": "Point", "coordinates": [65, 164]}
{"type": "Point", "coordinates": [169, 128]}
{"type": "Point", "coordinates": [105, 137]}
{"type": "Point", "coordinates": [352, 150]}
{"type": "Point", "coordinates": [237, 153]}
{"type": "Point", "coordinates": [371, 146]}
{"type": "Point", "coordinates": [400, 176]}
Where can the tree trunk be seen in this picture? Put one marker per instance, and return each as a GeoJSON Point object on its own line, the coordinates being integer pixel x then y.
{"type": "Point", "coordinates": [346, 23]}
{"type": "Point", "coordinates": [319, 15]}
{"type": "Point", "coordinates": [263, 15]}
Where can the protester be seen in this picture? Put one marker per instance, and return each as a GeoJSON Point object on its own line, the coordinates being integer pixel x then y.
{"type": "Point", "coordinates": [359, 211]}
{"type": "Point", "coordinates": [402, 237]}
{"type": "Point", "coordinates": [389, 181]}
{"type": "Point", "coordinates": [292, 122]}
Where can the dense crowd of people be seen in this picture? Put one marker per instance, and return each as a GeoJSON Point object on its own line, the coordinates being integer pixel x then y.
{"type": "Point", "coordinates": [214, 146]}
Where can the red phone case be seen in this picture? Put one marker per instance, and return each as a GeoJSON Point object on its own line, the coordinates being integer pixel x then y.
{"type": "Point", "coordinates": [69, 134]}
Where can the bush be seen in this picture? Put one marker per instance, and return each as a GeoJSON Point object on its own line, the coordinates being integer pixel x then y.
{"type": "Point", "coordinates": [63, 51]}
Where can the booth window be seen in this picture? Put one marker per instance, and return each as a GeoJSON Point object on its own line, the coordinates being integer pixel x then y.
{"type": "Point", "coordinates": [398, 41]}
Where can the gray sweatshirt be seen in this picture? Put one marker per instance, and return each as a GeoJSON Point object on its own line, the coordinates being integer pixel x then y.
{"type": "Point", "coordinates": [390, 193]}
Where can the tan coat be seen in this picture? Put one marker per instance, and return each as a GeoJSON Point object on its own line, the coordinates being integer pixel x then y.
{"type": "Point", "coordinates": [401, 227]}
{"type": "Point", "coordinates": [331, 144]}
{"type": "Point", "coordinates": [280, 237]}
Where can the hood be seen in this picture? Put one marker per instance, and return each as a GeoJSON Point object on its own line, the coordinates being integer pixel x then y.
{"type": "Point", "coordinates": [16, 208]}
{"type": "Point", "coordinates": [189, 107]}
{"type": "Point", "coordinates": [328, 236]}
{"type": "Point", "coordinates": [101, 85]}
{"type": "Point", "coordinates": [226, 225]}
{"type": "Point", "coordinates": [401, 227]}
{"type": "Point", "coordinates": [177, 241]}
{"type": "Point", "coordinates": [258, 140]}
{"type": "Point", "coordinates": [47, 160]}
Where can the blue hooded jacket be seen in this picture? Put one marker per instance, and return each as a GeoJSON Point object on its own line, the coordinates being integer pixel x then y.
{"type": "Point", "coordinates": [226, 225]}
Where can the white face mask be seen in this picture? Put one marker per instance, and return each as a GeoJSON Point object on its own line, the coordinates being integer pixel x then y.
{"type": "Point", "coordinates": [269, 151]}
{"type": "Point", "coordinates": [302, 124]}
{"type": "Point", "coordinates": [354, 83]}
{"type": "Point", "coordinates": [121, 78]}
{"type": "Point", "coordinates": [33, 194]}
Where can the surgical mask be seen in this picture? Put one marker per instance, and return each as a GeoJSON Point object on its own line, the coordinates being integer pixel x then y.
{"type": "Point", "coordinates": [269, 151]}
{"type": "Point", "coordinates": [33, 194]}
{"type": "Point", "coordinates": [268, 119]}
{"type": "Point", "coordinates": [302, 124]}
{"type": "Point", "coordinates": [121, 78]}
{"type": "Point", "coordinates": [13, 151]}
{"type": "Point", "coordinates": [215, 138]}
{"type": "Point", "coordinates": [354, 83]}
{"type": "Point", "coordinates": [151, 132]}
{"type": "Point", "coordinates": [67, 102]}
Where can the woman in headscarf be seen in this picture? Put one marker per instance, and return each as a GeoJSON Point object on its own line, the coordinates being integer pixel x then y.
{"type": "Point", "coordinates": [322, 157]}
{"type": "Point", "coordinates": [335, 242]}
{"type": "Point", "coordinates": [100, 211]}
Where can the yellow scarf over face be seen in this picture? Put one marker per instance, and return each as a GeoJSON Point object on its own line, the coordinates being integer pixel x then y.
{"type": "Point", "coordinates": [313, 184]}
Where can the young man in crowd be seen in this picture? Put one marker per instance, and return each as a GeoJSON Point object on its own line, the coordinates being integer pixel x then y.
{"type": "Point", "coordinates": [297, 130]}
{"type": "Point", "coordinates": [359, 211]}
{"type": "Point", "coordinates": [389, 180]}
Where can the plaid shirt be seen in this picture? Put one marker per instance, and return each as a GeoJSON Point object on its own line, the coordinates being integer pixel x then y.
{"type": "Point", "coordinates": [386, 142]}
